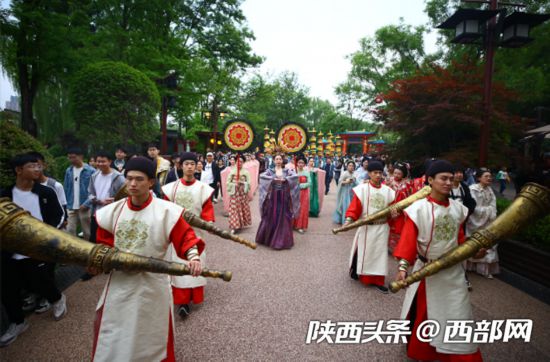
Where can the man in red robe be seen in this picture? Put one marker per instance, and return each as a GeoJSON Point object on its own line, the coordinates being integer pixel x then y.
{"type": "Point", "coordinates": [432, 227]}
{"type": "Point", "coordinates": [134, 314]}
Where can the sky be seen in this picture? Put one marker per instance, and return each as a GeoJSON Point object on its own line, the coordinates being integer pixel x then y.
{"type": "Point", "coordinates": [312, 37]}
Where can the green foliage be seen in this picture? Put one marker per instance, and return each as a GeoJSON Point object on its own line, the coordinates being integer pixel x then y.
{"type": "Point", "coordinates": [115, 104]}
{"type": "Point", "coordinates": [271, 103]}
{"type": "Point", "coordinates": [394, 52]}
{"type": "Point", "coordinates": [14, 141]}
{"type": "Point", "coordinates": [536, 234]}
{"type": "Point", "coordinates": [45, 43]}
{"type": "Point", "coordinates": [523, 70]}
{"type": "Point", "coordinates": [60, 165]}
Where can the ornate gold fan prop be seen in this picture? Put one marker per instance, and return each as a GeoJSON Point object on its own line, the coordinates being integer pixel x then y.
{"type": "Point", "coordinates": [292, 138]}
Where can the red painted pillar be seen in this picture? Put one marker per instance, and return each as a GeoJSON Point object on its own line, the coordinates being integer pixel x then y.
{"type": "Point", "coordinates": [365, 145]}
{"type": "Point", "coordinates": [345, 147]}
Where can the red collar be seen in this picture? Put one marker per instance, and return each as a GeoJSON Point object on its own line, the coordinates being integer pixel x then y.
{"type": "Point", "coordinates": [188, 183]}
{"type": "Point", "coordinates": [442, 203]}
{"type": "Point", "coordinates": [373, 185]}
{"type": "Point", "coordinates": [138, 208]}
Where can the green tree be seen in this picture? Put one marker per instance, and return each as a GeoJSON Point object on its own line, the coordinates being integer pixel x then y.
{"type": "Point", "coordinates": [271, 103]}
{"type": "Point", "coordinates": [523, 70]}
{"type": "Point", "coordinates": [394, 52]}
{"type": "Point", "coordinates": [38, 38]}
{"type": "Point", "coordinates": [14, 141]}
{"type": "Point", "coordinates": [291, 101]}
{"type": "Point", "coordinates": [114, 103]}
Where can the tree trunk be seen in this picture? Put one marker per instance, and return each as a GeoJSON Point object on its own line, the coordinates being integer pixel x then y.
{"type": "Point", "coordinates": [28, 123]}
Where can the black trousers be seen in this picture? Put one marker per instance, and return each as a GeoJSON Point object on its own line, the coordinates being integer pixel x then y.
{"type": "Point", "coordinates": [214, 185]}
{"type": "Point", "coordinates": [336, 177]}
{"type": "Point", "coordinates": [93, 229]}
{"type": "Point", "coordinates": [34, 274]}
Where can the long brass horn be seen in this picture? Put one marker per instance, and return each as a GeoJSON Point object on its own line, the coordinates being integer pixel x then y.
{"type": "Point", "coordinates": [532, 202]}
{"type": "Point", "coordinates": [21, 233]}
{"type": "Point", "coordinates": [197, 222]}
{"type": "Point", "coordinates": [400, 206]}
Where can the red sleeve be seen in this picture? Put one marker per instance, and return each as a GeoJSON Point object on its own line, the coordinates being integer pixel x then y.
{"type": "Point", "coordinates": [183, 237]}
{"type": "Point", "coordinates": [406, 247]}
{"type": "Point", "coordinates": [461, 236]}
{"type": "Point", "coordinates": [207, 213]}
{"type": "Point", "coordinates": [104, 237]}
{"type": "Point", "coordinates": [165, 197]}
{"type": "Point", "coordinates": [355, 208]}
{"type": "Point", "coordinates": [396, 224]}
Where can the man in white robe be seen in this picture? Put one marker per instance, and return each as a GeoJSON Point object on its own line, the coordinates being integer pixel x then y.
{"type": "Point", "coordinates": [195, 196]}
{"type": "Point", "coordinates": [134, 314]}
{"type": "Point", "coordinates": [369, 253]}
{"type": "Point", "coordinates": [432, 227]}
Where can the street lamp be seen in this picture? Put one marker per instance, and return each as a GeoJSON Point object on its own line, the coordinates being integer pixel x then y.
{"type": "Point", "coordinates": [214, 115]}
{"type": "Point", "coordinates": [517, 27]}
{"type": "Point", "coordinates": [469, 24]}
{"type": "Point", "coordinates": [472, 24]}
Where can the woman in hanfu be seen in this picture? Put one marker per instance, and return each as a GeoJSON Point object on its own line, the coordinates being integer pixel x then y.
{"type": "Point", "coordinates": [484, 214]}
{"type": "Point", "coordinates": [314, 207]}
{"type": "Point", "coordinates": [403, 188]}
{"type": "Point", "coordinates": [345, 194]}
{"type": "Point", "coordinates": [238, 186]}
{"type": "Point", "coordinates": [301, 220]}
{"type": "Point", "coordinates": [279, 203]}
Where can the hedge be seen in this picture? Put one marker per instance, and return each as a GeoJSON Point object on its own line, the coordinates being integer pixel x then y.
{"type": "Point", "coordinates": [14, 141]}
{"type": "Point", "coordinates": [536, 234]}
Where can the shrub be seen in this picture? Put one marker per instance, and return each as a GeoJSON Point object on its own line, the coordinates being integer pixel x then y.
{"type": "Point", "coordinates": [114, 104]}
{"type": "Point", "coordinates": [13, 141]}
{"type": "Point", "coordinates": [536, 234]}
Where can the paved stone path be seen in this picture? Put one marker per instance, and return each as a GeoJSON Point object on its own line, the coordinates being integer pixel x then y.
{"type": "Point", "coordinates": [263, 313]}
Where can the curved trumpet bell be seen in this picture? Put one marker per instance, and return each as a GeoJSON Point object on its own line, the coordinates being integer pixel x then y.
{"type": "Point", "coordinates": [26, 235]}
{"type": "Point", "coordinates": [532, 202]}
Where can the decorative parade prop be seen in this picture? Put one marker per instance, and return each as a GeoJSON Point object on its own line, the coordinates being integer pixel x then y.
{"type": "Point", "coordinates": [197, 222]}
{"type": "Point", "coordinates": [238, 135]}
{"type": "Point", "coordinates": [532, 202]}
{"type": "Point", "coordinates": [292, 138]}
{"type": "Point", "coordinates": [22, 233]}
{"type": "Point", "coordinates": [400, 206]}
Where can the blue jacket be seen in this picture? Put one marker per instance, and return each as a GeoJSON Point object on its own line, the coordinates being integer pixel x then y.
{"type": "Point", "coordinates": [85, 176]}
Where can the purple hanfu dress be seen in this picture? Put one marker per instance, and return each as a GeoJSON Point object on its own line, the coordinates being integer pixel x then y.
{"type": "Point", "coordinates": [279, 203]}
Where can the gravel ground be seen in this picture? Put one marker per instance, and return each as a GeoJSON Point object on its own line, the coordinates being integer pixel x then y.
{"type": "Point", "coordinates": [264, 312]}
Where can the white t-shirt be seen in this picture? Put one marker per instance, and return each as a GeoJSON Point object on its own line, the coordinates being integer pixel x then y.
{"type": "Point", "coordinates": [207, 176]}
{"type": "Point", "coordinates": [60, 192]}
{"type": "Point", "coordinates": [457, 194]}
{"type": "Point", "coordinates": [28, 201]}
{"type": "Point", "coordinates": [102, 184]}
{"type": "Point", "coordinates": [76, 188]}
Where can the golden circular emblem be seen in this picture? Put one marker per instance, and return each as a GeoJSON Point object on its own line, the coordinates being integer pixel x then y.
{"type": "Point", "coordinates": [238, 135]}
{"type": "Point", "coordinates": [292, 138]}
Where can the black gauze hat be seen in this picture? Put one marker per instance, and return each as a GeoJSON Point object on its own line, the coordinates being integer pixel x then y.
{"type": "Point", "coordinates": [142, 164]}
{"type": "Point", "coordinates": [375, 166]}
{"type": "Point", "coordinates": [440, 166]}
{"type": "Point", "coordinates": [188, 156]}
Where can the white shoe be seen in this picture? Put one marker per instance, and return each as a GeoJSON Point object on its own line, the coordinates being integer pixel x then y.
{"type": "Point", "coordinates": [60, 308]}
{"type": "Point", "coordinates": [489, 276]}
{"type": "Point", "coordinates": [13, 331]}
{"type": "Point", "coordinates": [43, 306]}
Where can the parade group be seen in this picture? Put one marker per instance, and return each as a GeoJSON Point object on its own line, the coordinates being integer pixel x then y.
{"type": "Point", "coordinates": [290, 189]}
